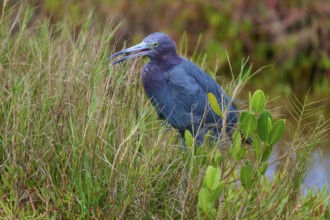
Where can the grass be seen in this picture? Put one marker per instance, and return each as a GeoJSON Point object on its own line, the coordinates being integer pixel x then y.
{"type": "Point", "coordinates": [79, 139]}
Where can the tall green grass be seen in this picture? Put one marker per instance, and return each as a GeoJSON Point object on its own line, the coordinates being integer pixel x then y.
{"type": "Point", "coordinates": [79, 139]}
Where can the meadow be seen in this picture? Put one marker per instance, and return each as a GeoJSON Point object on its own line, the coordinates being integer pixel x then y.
{"type": "Point", "coordinates": [80, 140]}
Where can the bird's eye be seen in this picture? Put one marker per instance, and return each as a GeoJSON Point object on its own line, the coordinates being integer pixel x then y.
{"type": "Point", "coordinates": [155, 44]}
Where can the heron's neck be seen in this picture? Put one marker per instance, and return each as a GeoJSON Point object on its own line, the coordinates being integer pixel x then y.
{"type": "Point", "coordinates": [166, 61]}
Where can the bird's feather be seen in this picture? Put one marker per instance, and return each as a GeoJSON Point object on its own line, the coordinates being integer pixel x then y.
{"type": "Point", "coordinates": [180, 96]}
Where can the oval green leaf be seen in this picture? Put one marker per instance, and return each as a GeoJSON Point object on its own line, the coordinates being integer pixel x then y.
{"type": "Point", "coordinates": [277, 131]}
{"type": "Point", "coordinates": [249, 125]}
{"type": "Point", "coordinates": [214, 104]}
{"type": "Point", "coordinates": [188, 138]}
{"type": "Point", "coordinates": [218, 191]}
{"type": "Point", "coordinates": [212, 177]}
{"type": "Point", "coordinates": [246, 177]}
{"type": "Point", "coordinates": [269, 125]}
{"type": "Point", "coordinates": [242, 116]}
{"type": "Point", "coordinates": [204, 200]}
{"type": "Point", "coordinates": [257, 101]}
{"type": "Point", "coordinates": [256, 146]}
{"type": "Point", "coordinates": [237, 140]}
{"type": "Point", "coordinates": [263, 130]}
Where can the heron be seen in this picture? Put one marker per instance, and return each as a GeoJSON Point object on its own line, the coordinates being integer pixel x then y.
{"type": "Point", "coordinates": [178, 89]}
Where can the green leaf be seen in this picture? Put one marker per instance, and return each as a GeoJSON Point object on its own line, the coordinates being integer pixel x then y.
{"type": "Point", "coordinates": [277, 131]}
{"type": "Point", "coordinates": [237, 140]}
{"type": "Point", "coordinates": [249, 125]}
{"type": "Point", "coordinates": [218, 191]}
{"type": "Point", "coordinates": [268, 150]}
{"type": "Point", "coordinates": [257, 101]}
{"type": "Point", "coordinates": [263, 130]}
{"type": "Point", "coordinates": [242, 116]}
{"type": "Point", "coordinates": [188, 138]}
{"type": "Point", "coordinates": [204, 200]}
{"type": "Point", "coordinates": [256, 146]}
{"type": "Point", "coordinates": [241, 153]}
{"type": "Point", "coordinates": [212, 177]}
{"type": "Point", "coordinates": [214, 104]}
{"type": "Point", "coordinates": [246, 177]}
{"type": "Point", "coordinates": [233, 152]}
{"type": "Point", "coordinates": [248, 163]}
{"type": "Point", "coordinates": [263, 168]}
{"type": "Point", "coordinates": [235, 145]}
{"type": "Point", "coordinates": [269, 125]}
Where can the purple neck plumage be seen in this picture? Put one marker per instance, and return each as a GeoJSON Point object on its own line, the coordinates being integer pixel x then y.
{"type": "Point", "coordinates": [165, 61]}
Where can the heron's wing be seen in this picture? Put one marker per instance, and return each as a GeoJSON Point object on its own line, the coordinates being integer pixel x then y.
{"type": "Point", "coordinates": [189, 93]}
{"type": "Point", "coordinates": [176, 99]}
{"type": "Point", "coordinates": [208, 84]}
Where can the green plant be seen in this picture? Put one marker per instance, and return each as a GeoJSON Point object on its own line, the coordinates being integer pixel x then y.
{"type": "Point", "coordinates": [256, 123]}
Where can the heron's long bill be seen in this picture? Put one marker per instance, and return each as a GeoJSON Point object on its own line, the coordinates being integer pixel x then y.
{"type": "Point", "coordinates": [135, 51]}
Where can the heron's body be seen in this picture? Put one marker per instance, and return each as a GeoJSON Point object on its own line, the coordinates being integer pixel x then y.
{"type": "Point", "coordinates": [178, 89]}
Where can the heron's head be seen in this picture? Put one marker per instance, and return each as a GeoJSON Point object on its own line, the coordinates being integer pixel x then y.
{"type": "Point", "coordinates": [154, 46]}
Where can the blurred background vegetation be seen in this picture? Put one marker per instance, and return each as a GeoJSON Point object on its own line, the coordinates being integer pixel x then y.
{"type": "Point", "coordinates": [290, 37]}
